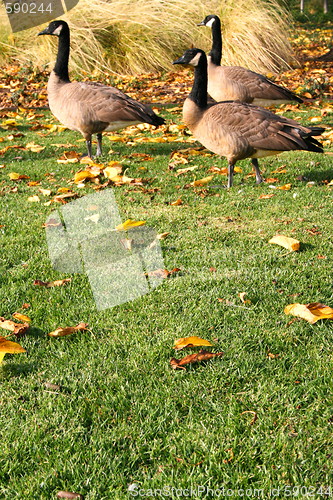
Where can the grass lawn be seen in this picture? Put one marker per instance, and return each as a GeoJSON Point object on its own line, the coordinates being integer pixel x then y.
{"type": "Point", "coordinates": [258, 418]}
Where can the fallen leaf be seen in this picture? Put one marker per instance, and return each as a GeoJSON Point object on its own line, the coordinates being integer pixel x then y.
{"type": "Point", "coordinates": [284, 241]}
{"type": "Point", "coordinates": [14, 176]}
{"type": "Point", "coordinates": [241, 295]}
{"type": "Point", "coordinates": [50, 284]}
{"type": "Point", "coordinates": [129, 224]}
{"type": "Point", "coordinates": [69, 330]}
{"type": "Point", "coordinates": [69, 157]}
{"type": "Point", "coordinates": [202, 182]}
{"type": "Point", "coordinates": [45, 192]}
{"type": "Point", "coordinates": [285, 187]}
{"type": "Point", "coordinates": [34, 199]}
{"type": "Point", "coordinates": [162, 236]}
{"type": "Point", "coordinates": [310, 312]}
{"type": "Point", "coordinates": [17, 328]}
{"type": "Point", "coordinates": [193, 358]}
{"type": "Point", "coordinates": [69, 495]}
{"type": "Point", "coordinates": [21, 317]}
{"type": "Point", "coordinates": [190, 342]}
{"type": "Point", "coordinates": [84, 175]}
{"type": "Point", "coordinates": [266, 196]}
{"type": "Point", "coordinates": [7, 346]}
{"type": "Point", "coordinates": [176, 203]}
{"type": "Point", "coordinates": [163, 273]}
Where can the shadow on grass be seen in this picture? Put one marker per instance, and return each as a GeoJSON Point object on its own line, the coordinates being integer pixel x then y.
{"type": "Point", "coordinates": [17, 369]}
{"type": "Point", "coordinates": [318, 176]}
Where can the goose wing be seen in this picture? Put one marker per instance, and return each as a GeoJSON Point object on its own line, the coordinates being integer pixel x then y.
{"type": "Point", "coordinates": [258, 86]}
{"type": "Point", "coordinates": [258, 127]}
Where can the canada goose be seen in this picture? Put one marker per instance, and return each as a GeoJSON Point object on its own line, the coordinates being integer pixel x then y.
{"type": "Point", "coordinates": [89, 107]}
{"type": "Point", "coordinates": [237, 83]}
{"type": "Point", "coordinates": [239, 130]}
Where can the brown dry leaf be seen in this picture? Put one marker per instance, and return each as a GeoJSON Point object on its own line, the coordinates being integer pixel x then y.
{"type": "Point", "coordinates": [61, 198]}
{"type": "Point", "coordinates": [163, 273]}
{"type": "Point", "coordinates": [255, 416]}
{"type": "Point", "coordinates": [6, 346]}
{"type": "Point", "coordinates": [176, 203]}
{"type": "Point", "coordinates": [284, 241]}
{"type": "Point", "coordinates": [69, 330]}
{"type": "Point", "coordinates": [312, 312]}
{"type": "Point", "coordinates": [50, 284]}
{"type": "Point", "coordinates": [14, 176]}
{"type": "Point", "coordinates": [202, 182]}
{"type": "Point", "coordinates": [16, 328]}
{"type": "Point", "coordinates": [70, 495]}
{"type": "Point", "coordinates": [69, 157]}
{"type": "Point", "coordinates": [162, 236]}
{"type": "Point", "coordinates": [34, 148]}
{"type": "Point", "coordinates": [193, 358]}
{"type": "Point", "coordinates": [266, 196]}
{"type": "Point", "coordinates": [190, 342]}
{"type": "Point", "coordinates": [21, 317]}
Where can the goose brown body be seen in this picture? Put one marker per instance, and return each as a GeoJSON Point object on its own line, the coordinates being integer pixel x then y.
{"type": "Point", "coordinates": [89, 107]}
{"type": "Point", "coordinates": [236, 82]}
{"type": "Point", "coordinates": [238, 130]}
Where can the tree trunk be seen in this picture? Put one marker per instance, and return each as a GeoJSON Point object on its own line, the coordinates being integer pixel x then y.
{"type": "Point", "coordinates": [325, 6]}
{"type": "Point", "coordinates": [302, 5]}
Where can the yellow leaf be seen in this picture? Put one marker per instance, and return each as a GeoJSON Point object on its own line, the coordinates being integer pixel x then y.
{"type": "Point", "coordinates": [45, 192]}
{"type": "Point", "coordinates": [112, 172]}
{"type": "Point", "coordinates": [190, 342]}
{"type": "Point", "coordinates": [35, 148]}
{"type": "Point", "coordinates": [202, 182]}
{"type": "Point", "coordinates": [83, 175]}
{"type": "Point", "coordinates": [6, 346]}
{"type": "Point", "coordinates": [21, 317]}
{"type": "Point", "coordinates": [14, 176]}
{"type": "Point", "coordinates": [284, 241]}
{"type": "Point", "coordinates": [285, 187]}
{"type": "Point", "coordinates": [310, 312]}
{"type": "Point", "coordinates": [34, 199]}
{"type": "Point", "coordinates": [129, 224]}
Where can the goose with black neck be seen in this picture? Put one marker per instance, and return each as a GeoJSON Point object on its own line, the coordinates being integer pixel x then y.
{"type": "Point", "coordinates": [90, 107]}
{"type": "Point", "coordinates": [239, 130]}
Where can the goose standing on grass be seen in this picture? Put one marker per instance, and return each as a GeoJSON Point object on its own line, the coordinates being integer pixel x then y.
{"type": "Point", "coordinates": [238, 130]}
{"type": "Point", "coordinates": [237, 83]}
{"type": "Point", "coordinates": [89, 107]}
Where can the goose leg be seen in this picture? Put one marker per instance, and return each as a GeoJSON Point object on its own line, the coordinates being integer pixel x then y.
{"type": "Point", "coordinates": [99, 145]}
{"type": "Point", "coordinates": [231, 167]}
{"type": "Point", "coordinates": [255, 164]}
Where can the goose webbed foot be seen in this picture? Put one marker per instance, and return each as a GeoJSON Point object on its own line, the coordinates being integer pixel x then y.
{"type": "Point", "coordinates": [255, 164]}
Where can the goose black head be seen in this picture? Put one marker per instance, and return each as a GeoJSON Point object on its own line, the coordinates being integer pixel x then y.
{"type": "Point", "coordinates": [190, 56]}
{"type": "Point", "coordinates": [55, 28]}
{"type": "Point", "coordinates": [209, 20]}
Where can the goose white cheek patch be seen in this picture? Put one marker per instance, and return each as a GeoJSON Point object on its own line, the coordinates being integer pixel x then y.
{"type": "Point", "coordinates": [25, 14]}
{"type": "Point", "coordinates": [210, 23]}
{"type": "Point", "coordinates": [120, 265]}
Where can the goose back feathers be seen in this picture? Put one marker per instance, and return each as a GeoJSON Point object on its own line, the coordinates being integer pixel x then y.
{"type": "Point", "coordinates": [236, 82]}
{"type": "Point", "coordinates": [89, 107]}
{"type": "Point", "coordinates": [239, 130]}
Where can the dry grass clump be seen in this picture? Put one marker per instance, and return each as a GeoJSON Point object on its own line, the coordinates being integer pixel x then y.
{"type": "Point", "coordinates": [139, 36]}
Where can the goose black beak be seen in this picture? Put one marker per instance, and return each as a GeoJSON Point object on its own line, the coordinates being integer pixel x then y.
{"type": "Point", "coordinates": [202, 23]}
{"type": "Point", "coordinates": [45, 32]}
{"type": "Point", "coordinates": [181, 60]}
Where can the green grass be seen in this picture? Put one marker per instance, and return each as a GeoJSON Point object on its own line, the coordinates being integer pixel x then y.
{"type": "Point", "coordinates": [123, 415]}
